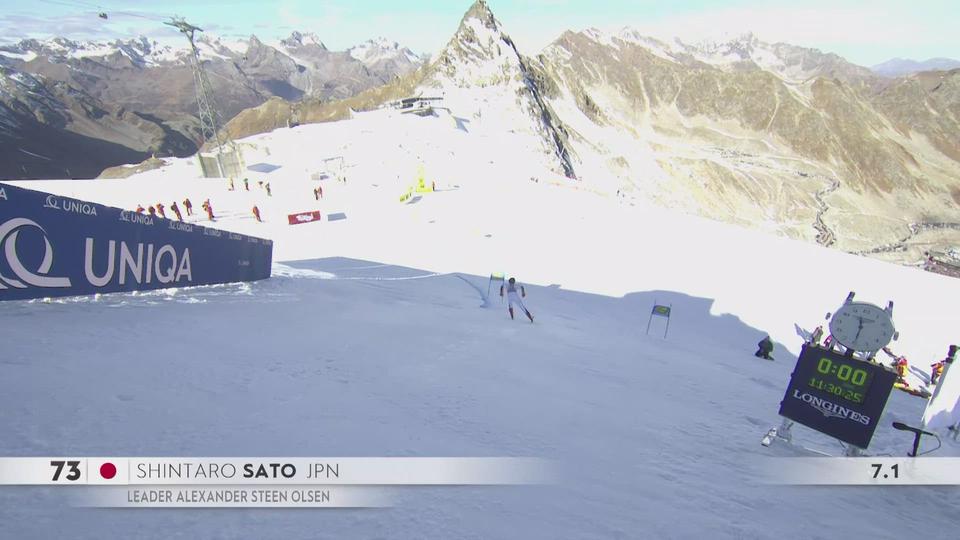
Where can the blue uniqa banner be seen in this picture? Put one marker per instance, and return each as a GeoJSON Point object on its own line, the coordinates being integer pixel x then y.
{"type": "Point", "coordinates": [58, 246]}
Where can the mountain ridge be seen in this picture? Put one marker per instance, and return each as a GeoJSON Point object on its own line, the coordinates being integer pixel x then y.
{"type": "Point", "coordinates": [154, 84]}
{"type": "Point", "coordinates": [900, 67]}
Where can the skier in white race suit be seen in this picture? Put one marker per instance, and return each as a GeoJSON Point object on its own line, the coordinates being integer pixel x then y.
{"type": "Point", "coordinates": [513, 298]}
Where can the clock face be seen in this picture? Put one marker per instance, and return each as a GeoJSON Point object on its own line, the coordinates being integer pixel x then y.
{"type": "Point", "coordinates": [862, 327]}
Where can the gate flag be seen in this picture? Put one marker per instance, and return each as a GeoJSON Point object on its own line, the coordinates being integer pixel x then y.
{"type": "Point", "coordinates": [660, 311]}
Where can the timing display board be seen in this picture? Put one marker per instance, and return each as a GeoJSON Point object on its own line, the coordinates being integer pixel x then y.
{"type": "Point", "coordinates": [839, 396]}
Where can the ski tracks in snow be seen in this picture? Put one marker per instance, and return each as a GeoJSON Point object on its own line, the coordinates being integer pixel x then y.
{"type": "Point", "coordinates": [282, 270]}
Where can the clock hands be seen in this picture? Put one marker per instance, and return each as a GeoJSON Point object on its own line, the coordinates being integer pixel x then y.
{"type": "Point", "coordinates": [874, 326]}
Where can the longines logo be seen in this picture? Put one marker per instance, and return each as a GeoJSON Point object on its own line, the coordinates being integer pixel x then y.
{"type": "Point", "coordinates": [9, 235]}
{"type": "Point", "coordinates": [70, 205]}
{"type": "Point", "coordinates": [831, 410]}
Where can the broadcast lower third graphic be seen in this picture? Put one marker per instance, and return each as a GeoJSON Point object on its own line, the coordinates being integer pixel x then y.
{"type": "Point", "coordinates": [262, 482]}
{"type": "Point", "coordinates": [860, 471]}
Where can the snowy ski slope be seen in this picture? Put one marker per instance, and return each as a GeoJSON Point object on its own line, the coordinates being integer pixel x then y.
{"type": "Point", "coordinates": [372, 340]}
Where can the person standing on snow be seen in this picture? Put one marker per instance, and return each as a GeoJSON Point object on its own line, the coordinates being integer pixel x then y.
{"type": "Point", "coordinates": [937, 368]}
{"type": "Point", "coordinates": [176, 210]}
{"type": "Point", "coordinates": [160, 210]}
{"type": "Point", "coordinates": [903, 367]}
{"type": "Point", "coordinates": [256, 213]}
{"type": "Point", "coordinates": [209, 209]}
{"type": "Point", "coordinates": [189, 206]}
{"type": "Point", "coordinates": [514, 298]}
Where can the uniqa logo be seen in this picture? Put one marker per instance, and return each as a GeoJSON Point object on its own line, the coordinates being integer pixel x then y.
{"type": "Point", "coordinates": [9, 234]}
{"type": "Point", "coordinates": [177, 226]}
{"type": "Point", "coordinates": [134, 217]}
{"type": "Point", "coordinates": [302, 218]}
{"type": "Point", "coordinates": [69, 205]}
{"type": "Point", "coordinates": [149, 263]}
{"type": "Point", "coordinates": [831, 410]}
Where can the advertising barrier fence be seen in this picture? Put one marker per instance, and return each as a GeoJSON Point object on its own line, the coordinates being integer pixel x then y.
{"type": "Point", "coordinates": [303, 217]}
{"type": "Point", "coordinates": [59, 246]}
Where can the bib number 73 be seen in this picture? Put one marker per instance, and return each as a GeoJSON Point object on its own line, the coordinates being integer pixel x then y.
{"type": "Point", "coordinates": [73, 470]}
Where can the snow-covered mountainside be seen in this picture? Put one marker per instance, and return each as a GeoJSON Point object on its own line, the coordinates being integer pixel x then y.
{"type": "Point", "coordinates": [381, 50]}
{"type": "Point", "coordinates": [141, 51]}
{"type": "Point", "coordinates": [373, 338]}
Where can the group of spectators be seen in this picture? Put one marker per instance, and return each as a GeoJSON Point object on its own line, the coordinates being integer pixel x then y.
{"type": "Point", "coordinates": [160, 210]}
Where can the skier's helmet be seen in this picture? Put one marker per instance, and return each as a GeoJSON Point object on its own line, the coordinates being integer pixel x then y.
{"type": "Point", "coordinates": [512, 280]}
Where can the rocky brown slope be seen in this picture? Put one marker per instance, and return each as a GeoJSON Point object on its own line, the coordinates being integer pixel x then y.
{"type": "Point", "coordinates": [765, 135]}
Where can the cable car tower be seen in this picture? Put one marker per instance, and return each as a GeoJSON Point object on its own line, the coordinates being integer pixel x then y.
{"type": "Point", "coordinates": [206, 104]}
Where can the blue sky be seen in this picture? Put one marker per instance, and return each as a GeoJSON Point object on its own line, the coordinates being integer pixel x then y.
{"type": "Point", "coordinates": [865, 32]}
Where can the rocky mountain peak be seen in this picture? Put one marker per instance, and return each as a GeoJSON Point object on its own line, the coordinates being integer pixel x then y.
{"type": "Point", "coordinates": [383, 43]}
{"type": "Point", "coordinates": [479, 53]}
{"type": "Point", "coordinates": [381, 49]}
{"type": "Point", "coordinates": [482, 70]}
{"type": "Point", "coordinates": [301, 39]}
{"type": "Point", "coordinates": [730, 49]}
{"type": "Point", "coordinates": [482, 12]}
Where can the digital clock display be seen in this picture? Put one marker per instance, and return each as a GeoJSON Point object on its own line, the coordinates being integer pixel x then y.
{"type": "Point", "coordinates": [837, 395]}
{"type": "Point", "coordinates": [845, 379]}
